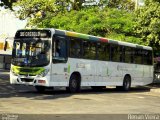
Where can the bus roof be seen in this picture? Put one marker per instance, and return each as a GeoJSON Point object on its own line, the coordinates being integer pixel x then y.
{"type": "Point", "coordinates": [100, 39]}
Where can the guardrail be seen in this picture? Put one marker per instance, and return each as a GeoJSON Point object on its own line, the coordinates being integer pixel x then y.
{"type": "Point", "coordinates": [5, 61]}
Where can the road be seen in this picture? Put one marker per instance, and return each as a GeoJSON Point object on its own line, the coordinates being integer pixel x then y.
{"type": "Point", "coordinates": [25, 100]}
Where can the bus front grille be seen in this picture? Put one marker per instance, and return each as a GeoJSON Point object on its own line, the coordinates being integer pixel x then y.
{"type": "Point", "coordinates": [26, 80]}
{"type": "Point", "coordinates": [27, 74]}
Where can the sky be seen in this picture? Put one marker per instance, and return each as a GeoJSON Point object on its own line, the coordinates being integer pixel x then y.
{"type": "Point", "coordinates": [9, 24]}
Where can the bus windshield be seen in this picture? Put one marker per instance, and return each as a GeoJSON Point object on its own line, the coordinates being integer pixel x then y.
{"type": "Point", "coordinates": [31, 52]}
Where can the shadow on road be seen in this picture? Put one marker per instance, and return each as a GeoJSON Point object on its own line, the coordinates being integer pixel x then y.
{"type": "Point", "coordinates": [8, 91]}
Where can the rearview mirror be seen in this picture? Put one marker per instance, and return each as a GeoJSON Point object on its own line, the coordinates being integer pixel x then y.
{"type": "Point", "coordinates": [5, 45]}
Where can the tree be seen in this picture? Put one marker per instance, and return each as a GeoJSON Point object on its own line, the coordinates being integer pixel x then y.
{"type": "Point", "coordinates": [37, 10]}
{"type": "Point", "coordinates": [34, 9]}
{"type": "Point", "coordinates": [102, 18]}
{"type": "Point", "coordinates": [7, 3]}
{"type": "Point", "coordinates": [122, 4]}
{"type": "Point", "coordinates": [108, 22]}
{"type": "Point", "coordinates": [148, 23]}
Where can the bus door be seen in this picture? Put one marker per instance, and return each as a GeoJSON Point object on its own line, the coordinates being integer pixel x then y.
{"type": "Point", "coordinates": [59, 60]}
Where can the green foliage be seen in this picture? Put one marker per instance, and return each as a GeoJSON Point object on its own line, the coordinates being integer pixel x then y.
{"type": "Point", "coordinates": [32, 8]}
{"type": "Point", "coordinates": [111, 23]}
{"type": "Point", "coordinates": [29, 8]}
{"type": "Point", "coordinates": [108, 18]}
{"type": "Point", "coordinates": [122, 4]}
{"type": "Point", "coordinates": [36, 10]}
{"type": "Point", "coordinates": [7, 3]}
{"type": "Point", "coordinates": [148, 23]}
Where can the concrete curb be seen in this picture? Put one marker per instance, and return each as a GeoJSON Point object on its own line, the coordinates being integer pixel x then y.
{"type": "Point", "coordinates": [157, 90]}
{"type": "Point", "coordinates": [154, 87]}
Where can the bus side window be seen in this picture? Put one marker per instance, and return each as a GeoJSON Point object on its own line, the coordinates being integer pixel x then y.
{"type": "Point", "coordinates": [89, 50]}
{"type": "Point", "coordinates": [132, 55]}
{"type": "Point", "coordinates": [60, 47]}
{"type": "Point", "coordinates": [147, 57]}
{"type": "Point", "coordinates": [115, 53]}
{"type": "Point", "coordinates": [103, 51]}
{"type": "Point", "coordinates": [122, 53]}
{"type": "Point", "coordinates": [150, 58]}
{"type": "Point", "coordinates": [75, 48]}
{"type": "Point", "coordinates": [138, 56]}
{"type": "Point", "coordinates": [128, 55]}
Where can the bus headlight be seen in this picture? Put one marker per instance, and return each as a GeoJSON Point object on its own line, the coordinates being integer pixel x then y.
{"type": "Point", "coordinates": [44, 73]}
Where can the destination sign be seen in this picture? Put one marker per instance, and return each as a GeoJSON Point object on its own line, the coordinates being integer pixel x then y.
{"type": "Point", "coordinates": [33, 33]}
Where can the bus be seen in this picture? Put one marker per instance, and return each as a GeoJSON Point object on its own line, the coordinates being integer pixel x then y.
{"type": "Point", "coordinates": [47, 58]}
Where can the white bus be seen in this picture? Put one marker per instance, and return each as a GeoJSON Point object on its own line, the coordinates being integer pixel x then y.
{"type": "Point", "coordinates": [51, 57]}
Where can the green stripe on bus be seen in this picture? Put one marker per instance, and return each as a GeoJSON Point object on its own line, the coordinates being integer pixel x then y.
{"type": "Point", "coordinates": [69, 67]}
{"type": "Point", "coordinates": [83, 36]}
{"type": "Point", "coordinates": [27, 70]}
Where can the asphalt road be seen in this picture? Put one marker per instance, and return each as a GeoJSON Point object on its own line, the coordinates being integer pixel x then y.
{"type": "Point", "coordinates": [26, 100]}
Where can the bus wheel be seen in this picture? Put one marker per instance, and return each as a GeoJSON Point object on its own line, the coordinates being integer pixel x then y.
{"type": "Point", "coordinates": [74, 84]}
{"type": "Point", "coordinates": [40, 89]}
{"type": "Point", "coordinates": [126, 83]}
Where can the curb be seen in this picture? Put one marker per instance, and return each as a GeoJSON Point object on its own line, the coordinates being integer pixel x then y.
{"type": "Point", "coordinates": [155, 90]}
{"type": "Point", "coordinates": [154, 87]}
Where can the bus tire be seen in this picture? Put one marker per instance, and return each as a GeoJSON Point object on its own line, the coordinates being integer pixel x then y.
{"type": "Point", "coordinates": [40, 89]}
{"type": "Point", "coordinates": [74, 84]}
{"type": "Point", "coordinates": [126, 83]}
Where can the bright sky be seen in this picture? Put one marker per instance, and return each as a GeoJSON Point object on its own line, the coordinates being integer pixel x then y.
{"type": "Point", "coordinates": [9, 24]}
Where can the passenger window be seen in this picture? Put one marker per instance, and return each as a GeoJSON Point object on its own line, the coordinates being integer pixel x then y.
{"type": "Point", "coordinates": [129, 55]}
{"type": "Point", "coordinates": [147, 57]}
{"type": "Point", "coordinates": [75, 48]}
{"type": "Point", "coordinates": [138, 56]}
{"type": "Point", "coordinates": [115, 53]}
{"type": "Point", "coordinates": [89, 50]}
{"type": "Point", "coordinates": [59, 49]}
{"type": "Point", "coordinates": [103, 51]}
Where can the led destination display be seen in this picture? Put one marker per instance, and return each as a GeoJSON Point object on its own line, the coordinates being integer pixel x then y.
{"type": "Point", "coordinates": [33, 34]}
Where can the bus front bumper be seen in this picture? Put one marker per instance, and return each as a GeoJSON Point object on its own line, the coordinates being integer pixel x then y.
{"type": "Point", "coordinates": [29, 80]}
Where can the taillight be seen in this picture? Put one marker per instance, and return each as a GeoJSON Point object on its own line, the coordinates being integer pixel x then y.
{"type": "Point", "coordinates": [41, 81]}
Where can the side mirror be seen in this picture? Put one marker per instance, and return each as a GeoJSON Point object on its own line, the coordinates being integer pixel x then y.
{"type": "Point", "coordinates": [5, 45]}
